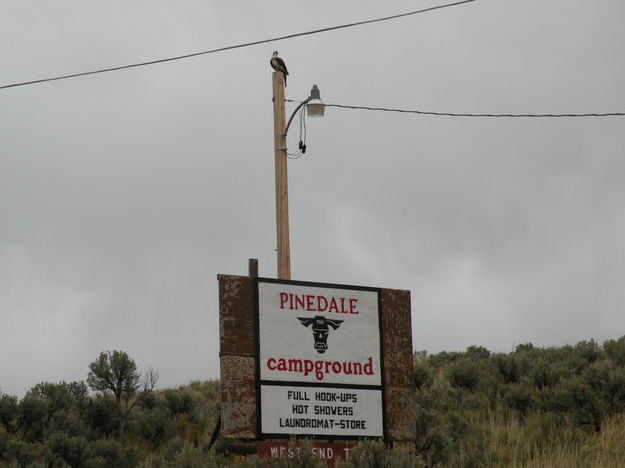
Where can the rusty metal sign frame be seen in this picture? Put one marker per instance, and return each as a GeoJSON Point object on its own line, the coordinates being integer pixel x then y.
{"type": "Point", "coordinates": [259, 382]}
{"type": "Point", "coordinates": [238, 354]}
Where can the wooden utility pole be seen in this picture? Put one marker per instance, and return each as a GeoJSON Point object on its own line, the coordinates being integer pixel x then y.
{"type": "Point", "coordinates": [282, 186]}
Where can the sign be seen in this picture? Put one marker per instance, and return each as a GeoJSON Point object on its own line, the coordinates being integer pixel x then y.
{"type": "Point", "coordinates": [319, 360]}
{"type": "Point", "coordinates": [321, 411]}
{"type": "Point", "coordinates": [329, 452]}
{"type": "Point", "coordinates": [338, 348]}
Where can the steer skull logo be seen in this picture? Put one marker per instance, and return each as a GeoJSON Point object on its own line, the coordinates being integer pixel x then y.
{"type": "Point", "coordinates": [320, 327]}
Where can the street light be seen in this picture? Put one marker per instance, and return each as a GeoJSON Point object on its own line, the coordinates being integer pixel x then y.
{"type": "Point", "coordinates": [314, 108]}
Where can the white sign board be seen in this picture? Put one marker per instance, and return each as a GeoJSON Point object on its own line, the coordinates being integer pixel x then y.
{"type": "Point", "coordinates": [321, 411]}
{"type": "Point", "coordinates": [315, 341]}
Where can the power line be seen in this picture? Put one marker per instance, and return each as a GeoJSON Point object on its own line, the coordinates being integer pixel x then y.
{"type": "Point", "coordinates": [464, 114]}
{"type": "Point", "coordinates": [238, 46]}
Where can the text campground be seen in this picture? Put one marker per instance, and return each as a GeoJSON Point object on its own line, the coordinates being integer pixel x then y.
{"type": "Point", "coordinates": [320, 368]}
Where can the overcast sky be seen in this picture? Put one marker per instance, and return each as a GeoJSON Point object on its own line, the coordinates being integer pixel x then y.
{"type": "Point", "coordinates": [124, 194]}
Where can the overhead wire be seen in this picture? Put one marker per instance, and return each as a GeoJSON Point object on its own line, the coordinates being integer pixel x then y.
{"type": "Point", "coordinates": [231, 47]}
{"type": "Point", "coordinates": [465, 114]}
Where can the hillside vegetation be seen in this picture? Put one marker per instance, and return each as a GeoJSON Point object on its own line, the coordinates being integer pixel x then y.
{"type": "Point", "coordinates": [533, 407]}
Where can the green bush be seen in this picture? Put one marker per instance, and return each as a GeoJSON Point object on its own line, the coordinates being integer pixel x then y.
{"type": "Point", "coordinates": [179, 402]}
{"type": "Point", "coordinates": [589, 351]}
{"type": "Point", "coordinates": [444, 358]}
{"type": "Point", "coordinates": [99, 415]}
{"type": "Point", "coordinates": [8, 412]}
{"type": "Point", "coordinates": [4, 440]}
{"type": "Point", "coordinates": [478, 352]}
{"type": "Point", "coordinates": [433, 439]}
{"type": "Point", "coordinates": [577, 399]}
{"type": "Point", "coordinates": [608, 383]}
{"type": "Point", "coordinates": [423, 376]}
{"type": "Point", "coordinates": [75, 451]}
{"type": "Point", "coordinates": [519, 397]}
{"type": "Point", "coordinates": [464, 374]}
{"type": "Point", "coordinates": [524, 347]}
{"type": "Point", "coordinates": [24, 453]}
{"type": "Point", "coordinates": [152, 424]}
{"type": "Point", "coordinates": [510, 367]}
{"type": "Point", "coordinates": [545, 374]}
{"type": "Point", "coordinates": [110, 453]}
{"type": "Point", "coordinates": [615, 350]}
{"type": "Point", "coordinates": [32, 416]}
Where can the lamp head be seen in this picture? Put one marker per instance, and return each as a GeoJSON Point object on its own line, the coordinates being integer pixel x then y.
{"type": "Point", "coordinates": [315, 106]}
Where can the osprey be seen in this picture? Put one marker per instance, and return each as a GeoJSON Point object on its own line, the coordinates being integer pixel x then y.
{"type": "Point", "coordinates": [278, 65]}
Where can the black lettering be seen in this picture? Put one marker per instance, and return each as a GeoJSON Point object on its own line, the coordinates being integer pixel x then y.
{"type": "Point", "coordinates": [333, 410]}
{"type": "Point", "coordinates": [299, 409]}
{"type": "Point", "coordinates": [352, 424]}
{"type": "Point", "coordinates": [325, 396]}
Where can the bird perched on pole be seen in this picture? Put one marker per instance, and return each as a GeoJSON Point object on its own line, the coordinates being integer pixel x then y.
{"type": "Point", "coordinates": [278, 65]}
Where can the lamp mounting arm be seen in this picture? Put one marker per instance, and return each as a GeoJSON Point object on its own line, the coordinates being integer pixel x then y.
{"type": "Point", "coordinates": [301, 104]}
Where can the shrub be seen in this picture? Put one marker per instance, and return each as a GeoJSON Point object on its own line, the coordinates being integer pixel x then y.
{"type": "Point", "coordinates": [423, 377]}
{"type": "Point", "coordinates": [4, 440]}
{"type": "Point", "coordinates": [615, 350]}
{"type": "Point", "coordinates": [32, 416]}
{"type": "Point", "coordinates": [24, 453]}
{"type": "Point", "coordinates": [608, 383]}
{"type": "Point", "coordinates": [99, 415]}
{"type": "Point", "coordinates": [579, 400]}
{"type": "Point", "coordinates": [523, 347]}
{"type": "Point", "coordinates": [75, 451]}
{"type": "Point", "coordinates": [519, 398]}
{"type": "Point", "coordinates": [8, 412]}
{"type": "Point", "coordinates": [510, 367]}
{"type": "Point", "coordinates": [478, 352]}
{"type": "Point", "coordinates": [589, 351]}
{"type": "Point", "coordinates": [110, 453]}
{"type": "Point", "coordinates": [545, 375]}
{"type": "Point", "coordinates": [443, 358]}
{"type": "Point", "coordinates": [433, 440]}
{"type": "Point", "coordinates": [152, 424]}
{"type": "Point", "coordinates": [463, 374]}
{"type": "Point", "coordinates": [179, 402]}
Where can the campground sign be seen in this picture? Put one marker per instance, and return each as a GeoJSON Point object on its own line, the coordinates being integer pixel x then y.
{"type": "Point", "coordinates": [320, 360]}
{"type": "Point", "coordinates": [315, 360]}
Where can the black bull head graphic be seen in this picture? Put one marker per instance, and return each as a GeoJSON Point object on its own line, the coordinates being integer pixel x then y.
{"type": "Point", "coordinates": [320, 327]}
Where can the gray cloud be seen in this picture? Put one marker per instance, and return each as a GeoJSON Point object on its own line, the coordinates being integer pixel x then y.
{"type": "Point", "coordinates": [123, 195]}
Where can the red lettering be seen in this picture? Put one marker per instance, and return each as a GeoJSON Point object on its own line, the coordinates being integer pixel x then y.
{"type": "Point", "coordinates": [320, 368]}
{"type": "Point", "coordinates": [308, 366]}
{"type": "Point", "coordinates": [312, 303]}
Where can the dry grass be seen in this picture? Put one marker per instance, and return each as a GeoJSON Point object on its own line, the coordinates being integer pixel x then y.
{"type": "Point", "coordinates": [540, 442]}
